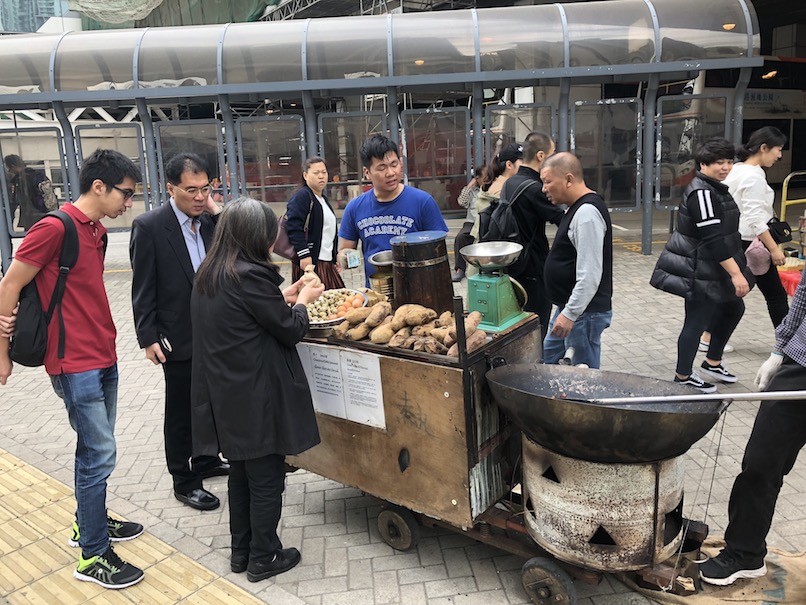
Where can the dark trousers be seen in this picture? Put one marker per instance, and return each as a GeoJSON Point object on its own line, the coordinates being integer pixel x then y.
{"type": "Point", "coordinates": [177, 431]}
{"type": "Point", "coordinates": [463, 238]}
{"type": "Point", "coordinates": [700, 314]}
{"type": "Point", "coordinates": [255, 503]}
{"type": "Point", "coordinates": [537, 300]}
{"type": "Point", "coordinates": [774, 293]}
{"type": "Point", "coordinates": [778, 435]}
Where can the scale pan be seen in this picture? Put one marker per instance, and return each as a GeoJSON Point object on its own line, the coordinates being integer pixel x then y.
{"type": "Point", "coordinates": [489, 256]}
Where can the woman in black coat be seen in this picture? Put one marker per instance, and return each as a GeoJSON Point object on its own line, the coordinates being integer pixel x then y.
{"type": "Point", "coordinates": [311, 226]}
{"type": "Point", "coordinates": [250, 397]}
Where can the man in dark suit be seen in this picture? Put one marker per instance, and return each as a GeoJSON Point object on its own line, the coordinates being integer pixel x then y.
{"type": "Point", "coordinates": [167, 246]}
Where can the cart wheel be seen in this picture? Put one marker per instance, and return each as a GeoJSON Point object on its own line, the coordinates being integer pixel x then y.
{"type": "Point", "coordinates": [398, 528]}
{"type": "Point", "coordinates": [546, 583]}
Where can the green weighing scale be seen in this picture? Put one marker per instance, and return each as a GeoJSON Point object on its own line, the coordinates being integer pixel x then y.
{"type": "Point", "coordinates": [498, 297]}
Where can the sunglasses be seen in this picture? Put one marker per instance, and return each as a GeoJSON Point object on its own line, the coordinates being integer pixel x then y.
{"type": "Point", "coordinates": [127, 193]}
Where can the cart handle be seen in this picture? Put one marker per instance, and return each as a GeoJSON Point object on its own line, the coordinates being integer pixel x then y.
{"type": "Point", "coordinates": [728, 398]}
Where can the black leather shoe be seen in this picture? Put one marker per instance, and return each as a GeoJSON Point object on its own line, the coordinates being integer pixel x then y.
{"type": "Point", "coordinates": [219, 470]}
{"type": "Point", "coordinates": [285, 559]}
{"type": "Point", "coordinates": [238, 562]}
{"type": "Point", "coordinates": [199, 498]}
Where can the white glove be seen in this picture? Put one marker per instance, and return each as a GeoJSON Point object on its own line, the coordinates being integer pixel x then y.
{"type": "Point", "coordinates": [768, 370]}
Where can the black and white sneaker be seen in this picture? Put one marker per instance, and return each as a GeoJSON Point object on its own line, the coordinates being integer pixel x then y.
{"type": "Point", "coordinates": [698, 383]}
{"type": "Point", "coordinates": [108, 570]}
{"type": "Point", "coordinates": [725, 569]}
{"type": "Point", "coordinates": [718, 372]}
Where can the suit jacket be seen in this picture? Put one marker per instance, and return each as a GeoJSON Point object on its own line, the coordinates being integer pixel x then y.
{"type": "Point", "coordinates": [162, 279]}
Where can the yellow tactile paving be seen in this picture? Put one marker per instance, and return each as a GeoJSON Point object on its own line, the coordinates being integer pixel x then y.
{"type": "Point", "coordinates": [36, 565]}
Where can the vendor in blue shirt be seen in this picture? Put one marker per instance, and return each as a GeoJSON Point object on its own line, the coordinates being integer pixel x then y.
{"type": "Point", "coordinates": [390, 208]}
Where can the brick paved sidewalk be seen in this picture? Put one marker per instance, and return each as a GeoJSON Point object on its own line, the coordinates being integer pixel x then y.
{"type": "Point", "coordinates": [344, 559]}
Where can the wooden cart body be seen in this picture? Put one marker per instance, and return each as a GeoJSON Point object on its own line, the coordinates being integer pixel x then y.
{"type": "Point", "coordinates": [445, 451]}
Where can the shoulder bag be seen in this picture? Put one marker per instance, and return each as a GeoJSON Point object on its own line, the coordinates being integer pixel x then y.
{"type": "Point", "coordinates": [282, 245]}
{"type": "Point", "coordinates": [780, 230]}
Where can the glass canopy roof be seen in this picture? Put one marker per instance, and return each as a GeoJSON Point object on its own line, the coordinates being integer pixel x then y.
{"type": "Point", "coordinates": [586, 39]}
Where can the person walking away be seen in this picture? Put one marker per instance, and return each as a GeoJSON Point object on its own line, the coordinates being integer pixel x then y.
{"type": "Point", "coordinates": [390, 208]}
{"type": "Point", "coordinates": [167, 246]}
{"type": "Point", "coordinates": [532, 211]}
{"type": "Point", "coordinates": [747, 183]}
{"type": "Point", "coordinates": [28, 187]}
{"type": "Point", "coordinates": [85, 377]}
{"type": "Point", "coordinates": [250, 395]}
{"type": "Point", "coordinates": [467, 199]}
{"type": "Point", "coordinates": [317, 245]}
{"type": "Point", "coordinates": [779, 433]}
{"type": "Point", "coordinates": [579, 267]}
{"type": "Point", "coordinates": [704, 263]}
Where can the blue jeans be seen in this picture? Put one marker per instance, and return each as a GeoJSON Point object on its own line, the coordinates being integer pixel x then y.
{"type": "Point", "coordinates": [91, 400]}
{"type": "Point", "coordinates": [585, 338]}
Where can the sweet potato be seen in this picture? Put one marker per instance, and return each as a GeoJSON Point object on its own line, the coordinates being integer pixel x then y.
{"type": "Point", "coordinates": [472, 322]}
{"type": "Point", "coordinates": [409, 342]}
{"type": "Point", "coordinates": [383, 333]}
{"type": "Point", "coordinates": [356, 316]}
{"type": "Point", "coordinates": [378, 313]}
{"type": "Point", "coordinates": [359, 332]}
{"type": "Point", "coordinates": [450, 339]}
{"type": "Point", "coordinates": [419, 316]}
{"type": "Point", "coordinates": [440, 333]}
{"type": "Point", "coordinates": [444, 320]}
{"type": "Point", "coordinates": [340, 331]}
{"type": "Point", "coordinates": [399, 319]}
{"type": "Point", "coordinates": [432, 345]}
{"type": "Point", "coordinates": [373, 297]}
{"type": "Point", "coordinates": [423, 330]}
{"type": "Point", "coordinates": [474, 341]}
{"type": "Point", "coordinates": [400, 336]}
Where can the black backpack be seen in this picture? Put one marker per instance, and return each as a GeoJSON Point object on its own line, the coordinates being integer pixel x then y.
{"type": "Point", "coordinates": [497, 223]}
{"type": "Point", "coordinates": [30, 340]}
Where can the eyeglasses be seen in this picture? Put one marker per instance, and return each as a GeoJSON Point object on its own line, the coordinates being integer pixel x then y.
{"type": "Point", "coordinates": [194, 191]}
{"type": "Point", "coordinates": [127, 193]}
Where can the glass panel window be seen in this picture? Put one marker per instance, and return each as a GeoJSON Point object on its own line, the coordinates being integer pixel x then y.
{"type": "Point", "coordinates": [98, 60]}
{"type": "Point", "coordinates": [505, 44]}
{"type": "Point", "coordinates": [33, 168]}
{"type": "Point", "coordinates": [433, 43]}
{"type": "Point", "coordinates": [718, 31]}
{"type": "Point", "coordinates": [685, 123]}
{"type": "Point", "coordinates": [621, 34]}
{"type": "Point", "coordinates": [436, 145]}
{"type": "Point", "coordinates": [511, 124]}
{"type": "Point", "coordinates": [270, 154]}
{"type": "Point", "coordinates": [340, 139]}
{"type": "Point", "coordinates": [251, 55]}
{"type": "Point", "coordinates": [127, 139]}
{"type": "Point", "coordinates": [179, 56]}
{"type": "Point", "coordinates": [607, 139]}
{"type": "Point", "coordinates": [25, 64]}
{"type": "Point", "coordinates": [205, 139]}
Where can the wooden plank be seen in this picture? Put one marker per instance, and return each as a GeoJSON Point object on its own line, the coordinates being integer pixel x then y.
{"type": "Point", "coordinates": [420, 460]}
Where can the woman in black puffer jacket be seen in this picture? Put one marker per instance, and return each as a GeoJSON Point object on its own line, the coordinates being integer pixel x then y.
{"type": "Point", "coordinates": [704, 263]}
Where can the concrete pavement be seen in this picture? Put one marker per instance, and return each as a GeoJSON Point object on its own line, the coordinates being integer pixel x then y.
{"type": "Point", "coordinates": [344, 558]}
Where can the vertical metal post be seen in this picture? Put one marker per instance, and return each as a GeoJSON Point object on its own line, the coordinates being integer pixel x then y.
{"type": "Point", "coordinates": [394, 115]}
{"type": "Point", "coordinates": [737, 111]}
{"type": "Point", "coordinates": [5, 237]}
{"type": "Point", "coordinates": [232, 188]}
{"type": "Point", "coordinates": [563, 110]}
{"type": "Point", "coordinates": [69, 150]}
{"type": "Point", "coordinates": [478, 122]}
{"type": "Point", "coordinates": [647, 187]}
{"type": "Point", "coordinates": [310, 123]}
{"type": "Point", "coordinates": [154, 195]}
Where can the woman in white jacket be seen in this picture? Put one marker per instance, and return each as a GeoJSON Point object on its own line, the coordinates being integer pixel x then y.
{"type": "Point", "coordinates": [748, 186]}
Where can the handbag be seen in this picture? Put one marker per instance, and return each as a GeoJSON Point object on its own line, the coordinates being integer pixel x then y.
{"type": "Point", "coordinates": [780, 230]}
{"type": "Point", "coordinates": [282, 245]}
{"type": "Point", "coordinates": [758, 257]}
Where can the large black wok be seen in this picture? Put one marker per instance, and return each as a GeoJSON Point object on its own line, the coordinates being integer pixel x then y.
{"type": "Point", "coordinates": [552, 405]}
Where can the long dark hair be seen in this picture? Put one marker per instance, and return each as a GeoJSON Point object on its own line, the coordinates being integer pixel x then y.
{"type": "Point", "coordinates": [491, 172]}
{"type": "Point", "coordinates": [768, 135]}
{"type": "Point", "coordinates": [246, 230]}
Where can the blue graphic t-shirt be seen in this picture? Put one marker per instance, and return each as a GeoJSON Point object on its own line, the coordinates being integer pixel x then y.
{"type": "Point", "coordinates": [374, 223]}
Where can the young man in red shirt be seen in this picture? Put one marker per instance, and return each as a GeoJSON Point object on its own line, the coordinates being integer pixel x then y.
{"type": "Point", "coordinates": [86, 377]}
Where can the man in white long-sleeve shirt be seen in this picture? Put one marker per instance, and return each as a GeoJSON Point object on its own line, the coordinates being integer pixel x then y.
{"type": "Point", "coordinates": [579, 268]}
